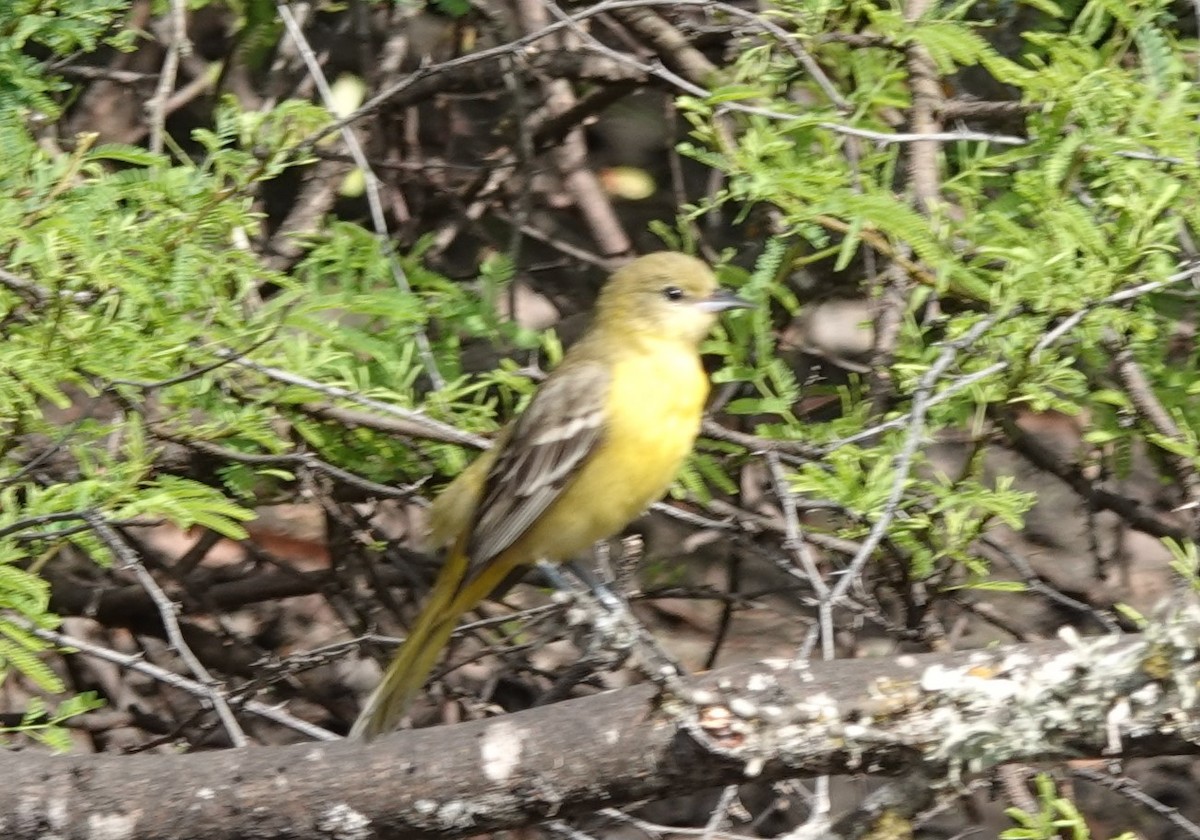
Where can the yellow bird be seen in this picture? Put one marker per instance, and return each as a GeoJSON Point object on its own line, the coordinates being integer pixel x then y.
{"type": "Point", "coordinates": [603, 437]}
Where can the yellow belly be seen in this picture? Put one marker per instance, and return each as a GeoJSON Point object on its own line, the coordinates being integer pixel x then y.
{"type": "Point", "coordinates": [656, 400]}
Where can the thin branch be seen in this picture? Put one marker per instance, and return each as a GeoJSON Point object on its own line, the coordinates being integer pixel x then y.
{"type": "Point", "coordinates": [1188, 273]}
{"type": "Point", "coordinates": [795, 544]}
{"type": "Point", "coordinates": [422, 424]}
{"type": "Point", "coordinates": [902, 463]}
{"type": "Point", "coordinates": [374, 202]}
{"type": "Point", "coordinates": [1037, 585]}
{"type": "Point", "coordinates": [518, 45]}
{"type": "Point", "coordinates": [204, 692]}
{"type": "Point", "coordinates": [1131, 510]}
{"type": "Point", "coordinates": [167, 610]}
{"type": "Point", "coordinates": [925, 84]}
{"type": "Point", "coordinates": [1152, 412]}
{"type": "Point", "coordinates": [293, 461]}
{"type": "Point", "coordinates": [177, 45]}
{"type": "Point", "coordinates": [1131, 790]}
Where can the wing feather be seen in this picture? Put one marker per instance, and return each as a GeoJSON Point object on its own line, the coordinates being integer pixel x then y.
{"type": "Point", "coordinates": [552, 438]}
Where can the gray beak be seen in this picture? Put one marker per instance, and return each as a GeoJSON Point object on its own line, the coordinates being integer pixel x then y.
{"type": "Point", "coordinates": [723, 299]}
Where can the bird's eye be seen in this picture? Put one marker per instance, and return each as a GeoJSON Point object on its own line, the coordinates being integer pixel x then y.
{"type": "Point", "coordinates": [672, 293]}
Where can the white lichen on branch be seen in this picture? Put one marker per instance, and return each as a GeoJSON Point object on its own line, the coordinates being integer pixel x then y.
{"type": "Point", "coordinates": [992, 708]}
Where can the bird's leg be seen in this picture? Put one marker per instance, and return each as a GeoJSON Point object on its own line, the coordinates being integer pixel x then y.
{"type": "Point", "coordinates": [593, 614]}
{"type": "Point", "coordinates": [659, 666]}
{"type": "Point", "coordinates": [594, 605]}
{"type": "Point", "coordinates": [556, 580]}
{"type": "Point", "coordinates": [613, 632]}
{"type": "Point", "coordinates": [620, 629]}
{"type": "Point", "coordinates": [608, 599]}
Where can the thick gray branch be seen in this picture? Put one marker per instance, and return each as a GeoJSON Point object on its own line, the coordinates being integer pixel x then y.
{"type": "Point", "coordinates": [1112, 696]}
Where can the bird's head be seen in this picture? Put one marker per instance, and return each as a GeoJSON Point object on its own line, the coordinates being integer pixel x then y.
{"type": "Point", "coordinates": [667, 295]}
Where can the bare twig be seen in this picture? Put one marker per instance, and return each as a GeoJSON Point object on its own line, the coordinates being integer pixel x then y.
{"type": "Point", "coordinates": [1132, 791]}
{"type": "Point", "coordinates": [292, 460]}
{"type": "Point", "coordinates": [167, 610]}
{"type": "Point", "coordinates": [422, 424]}
{"type": "Point", "coordinates": [1188, 273]}
{"type": "Point", "coordinates": [1037, 585]}
{"type": "Point", "coordinates": [902, 463]}
{"type": "Point", "coordinates": [517, 45]}
{"type": "Point", "coordinates": [925, 84]}
{"type": "Point", "coordinates": [374, 202]}
{"type": "Point", "coordinates": [204, 692]}
{"type": "Point", "coordinates": [1137, 387]}
{"type": "Point", "coordinates": [795, 544]}
{"type": "Point", "coordinates": [571, 157]}
{"type": "Point", "coordinates": [1131, 510]}
{"type": "Point", "coordinates": [177, 45]}
{"type": "Point", "coordinates": [668, 42]}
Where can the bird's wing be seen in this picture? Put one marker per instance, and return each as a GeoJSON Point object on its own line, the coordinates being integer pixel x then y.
{"type": "Point", "coordinates": [556, 434]}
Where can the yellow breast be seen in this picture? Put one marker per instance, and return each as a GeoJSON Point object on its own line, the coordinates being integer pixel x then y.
{"type": "Point", "coordinates": [655, 404]}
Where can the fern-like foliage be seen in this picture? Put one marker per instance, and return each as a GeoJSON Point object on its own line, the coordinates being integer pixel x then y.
{"type": "Point", "coordinates": [136, 325]}
{"type": "Point", "coordinates": [1098, 196]}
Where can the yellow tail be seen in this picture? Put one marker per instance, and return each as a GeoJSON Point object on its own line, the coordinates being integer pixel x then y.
{"type": "Point", "coordinates": [407, 672]}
